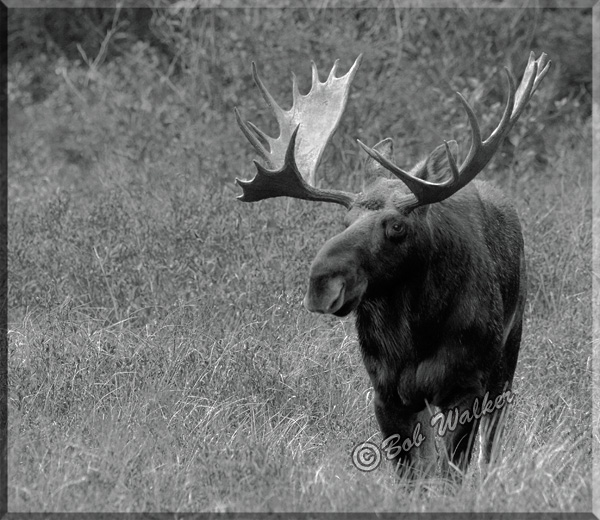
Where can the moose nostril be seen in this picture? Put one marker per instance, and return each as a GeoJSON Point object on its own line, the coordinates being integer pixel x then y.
{"type": "Point", "coordinates": [338, 301]}
{"type": "Point", "coordinates": [327, 298]}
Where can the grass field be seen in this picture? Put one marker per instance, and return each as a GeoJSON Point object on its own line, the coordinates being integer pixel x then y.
{"type": "Point", "coordinates": [159, 355]}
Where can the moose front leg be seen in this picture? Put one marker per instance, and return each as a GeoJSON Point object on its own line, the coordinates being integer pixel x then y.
{"type": "Point", "coordinates": [457, 426]}
{"type": "Point", "coordinates": [406, 440]}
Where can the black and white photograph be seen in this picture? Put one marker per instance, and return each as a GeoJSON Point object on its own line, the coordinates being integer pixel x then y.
{"type": "Point", "coordinates": [327, 256]}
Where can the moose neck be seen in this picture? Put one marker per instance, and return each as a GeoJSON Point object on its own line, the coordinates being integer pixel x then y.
{"type": "Point", "coordinates": [407, 317]}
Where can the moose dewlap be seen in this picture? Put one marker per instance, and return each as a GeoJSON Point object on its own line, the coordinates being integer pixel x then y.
{"type": "Point", "coordinates": [431, 261]}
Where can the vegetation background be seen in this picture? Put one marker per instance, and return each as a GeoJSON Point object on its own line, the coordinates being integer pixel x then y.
{"type": "Point", "coordinates": [159, 356]}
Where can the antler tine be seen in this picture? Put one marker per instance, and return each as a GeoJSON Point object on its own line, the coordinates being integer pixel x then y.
{"type": "Point", "coordinates": [453, 168]}
{"type": "Point", "coordinates": [418, 186]}
{"type": "Point", "coordinates": [266, 94]}
{"type": "Point", "coordinates": [246, 127]}
{"type": "Point", "coordinates": [543, 64]}
{"type": "Point", "coordinates": [534, 73]}
{"type": "Point", "coordinates": [315, 73]}
{"type": "Point", "coordinates": [507, 120]}
{"type": "Point", "coordinates": [480, 152]}
{"type": "Point", "coordinates": [257, 131]}
{"type": "Point", "coordinates": [333, 70]}
{"type": "Point", "coordinates": [295, 90]}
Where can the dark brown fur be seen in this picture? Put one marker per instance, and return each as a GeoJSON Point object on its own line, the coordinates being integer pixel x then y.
{"type": "Point", "coordinates": [438, 310]}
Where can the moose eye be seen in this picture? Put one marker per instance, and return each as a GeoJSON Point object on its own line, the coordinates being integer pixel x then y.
{"type": "Point", "coordinates": [396, 230]}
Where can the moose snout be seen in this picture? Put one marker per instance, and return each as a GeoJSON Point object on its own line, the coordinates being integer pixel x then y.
{"type": "Point", "coordinates": [325, 296]}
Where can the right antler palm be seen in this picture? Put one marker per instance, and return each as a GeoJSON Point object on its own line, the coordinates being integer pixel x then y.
{"type": "Point", "coordinates": [293, 157]}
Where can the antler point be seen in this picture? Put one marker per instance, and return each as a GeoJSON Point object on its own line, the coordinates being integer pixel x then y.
{"type": "Point", "coordinates": [315, 73]}
{"type": "Point", "coordinates": [511, 79]}
{"type": "Point", "coordinates": [333, 70]}
{"type": "Point", "coordinates": [363, 146]}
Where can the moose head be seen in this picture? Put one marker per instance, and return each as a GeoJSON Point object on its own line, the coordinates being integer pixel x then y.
{"type": "Point", "coordinates": [431, 262]}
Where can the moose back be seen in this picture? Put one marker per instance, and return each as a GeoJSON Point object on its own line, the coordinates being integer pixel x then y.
{"type": "Point", "coordinates": [431, 261]}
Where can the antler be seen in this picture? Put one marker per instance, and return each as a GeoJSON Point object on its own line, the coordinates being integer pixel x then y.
{"type": "Point", "coordinates": [480, 152]}
{"type": "Point", "coordinates": [305, 129]}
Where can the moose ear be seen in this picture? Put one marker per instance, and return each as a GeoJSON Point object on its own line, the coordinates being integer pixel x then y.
{"type": "Point", "coordinates": [372, 168]}
{"type": "Point", "coordinates": [437, 167]}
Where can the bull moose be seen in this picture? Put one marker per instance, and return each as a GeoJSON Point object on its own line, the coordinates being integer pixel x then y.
{"type": "Point", "coordinates": [431, 261]}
